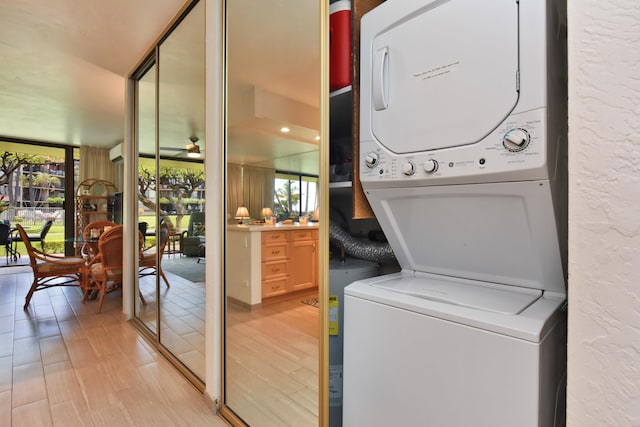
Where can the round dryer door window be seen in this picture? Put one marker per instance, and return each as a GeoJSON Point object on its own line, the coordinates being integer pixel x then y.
{"type": "Point", "coordinates": [443, 75]}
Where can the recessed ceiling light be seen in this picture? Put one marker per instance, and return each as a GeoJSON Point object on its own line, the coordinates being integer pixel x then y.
{"type": "Point", "coordinates": [284, 129]}
{"type": "Point", "coordinates": [317, 137]}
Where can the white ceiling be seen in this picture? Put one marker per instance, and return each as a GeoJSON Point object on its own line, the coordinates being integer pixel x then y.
{"type": "Point", "coordinates": [273, 81]}
{"type": "Point", "coordinates": [64, 64]}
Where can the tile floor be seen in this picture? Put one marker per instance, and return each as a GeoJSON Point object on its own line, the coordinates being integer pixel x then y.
{"type": "Point", "coordinates": [62, 364]}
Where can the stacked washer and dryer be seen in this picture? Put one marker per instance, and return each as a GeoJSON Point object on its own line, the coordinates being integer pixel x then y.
{"type": "Point", "coordinates": [463, 143]}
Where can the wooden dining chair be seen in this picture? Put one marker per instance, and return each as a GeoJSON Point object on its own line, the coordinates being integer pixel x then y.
{"type": "Point", "coordinates": [51, 270]}
{"type": "Point", "coordinates": [105, 270]}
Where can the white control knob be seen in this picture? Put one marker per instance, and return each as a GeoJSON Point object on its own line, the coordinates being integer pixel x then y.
{"type": "Point", "coordinates": [408, 169]}
{"type": "Point", "coordinates": [371, 159]}
{"type": "Point", "coordinates": [430, 166]}
{"type": "Point", "coordinates": [516, 139]}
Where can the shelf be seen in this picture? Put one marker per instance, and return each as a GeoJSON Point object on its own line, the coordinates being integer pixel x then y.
{"type": "Point", "coordinates": [340, 91]}
{"type": "Point", "coordinates": [88, 196]}
{"type": "Point", "coordinates": [342, 188]}
{"type": "Point", "coordinates": [92, 192]}
{"type": "Point", "coordinates": [338, 185]}
{"type": "Point", "coordinates": [95, 212]}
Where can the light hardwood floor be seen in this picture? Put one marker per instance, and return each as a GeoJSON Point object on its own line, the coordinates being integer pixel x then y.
{"type": "Point", "coordinates": [272, 363]}
{"type": "Point", "coordinates": [62, 364]}
{"type": "Point", "coordinates": [182, 309]}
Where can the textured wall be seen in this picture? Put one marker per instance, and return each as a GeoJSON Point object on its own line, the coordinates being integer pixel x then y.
{"type": "Point", "coordinates": [604, 213]}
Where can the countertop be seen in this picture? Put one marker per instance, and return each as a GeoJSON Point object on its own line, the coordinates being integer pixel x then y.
{"type": "Point", "coordinates": [269, 227]}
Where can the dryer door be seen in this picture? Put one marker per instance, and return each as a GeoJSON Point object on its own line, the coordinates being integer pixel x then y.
{"type": "Point", "coordinates": [443, 74]}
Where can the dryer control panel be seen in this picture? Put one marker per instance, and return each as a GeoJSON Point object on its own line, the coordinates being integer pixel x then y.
{"type": "Point", "coordinates": [515, 150]}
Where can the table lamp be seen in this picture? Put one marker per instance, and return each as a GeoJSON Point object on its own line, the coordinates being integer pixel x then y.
{"type": "Point", "coordinates": [241, 214]}
{"type": "Point", "coordinates": [266, 213]}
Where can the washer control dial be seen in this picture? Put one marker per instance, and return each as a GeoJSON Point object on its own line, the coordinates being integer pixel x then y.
{"type": "Point", "coordinates": [371, 159]}
{"type": "Point", "coordinates": [430, 166]}
{"type": "Point", "coordinates": [516, 139]}
{"type": "Point", "coordinates": [408, 169]}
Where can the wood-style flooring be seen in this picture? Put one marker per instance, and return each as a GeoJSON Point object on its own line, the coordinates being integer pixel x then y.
{"type": "Point", "coordinates": [182, 314]}
{"type": "Point", "coordinates": [272, 363]}
{"type": "Point", "coordinates": [61, 364]}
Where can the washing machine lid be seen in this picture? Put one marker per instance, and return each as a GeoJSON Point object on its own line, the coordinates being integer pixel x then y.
{"type": "Point", "coordinates": [516, 312]}
{"type": "Point", "coordinates": [446, 69]}
{"type": "Point", "coordinates": [502, 233]}
{"type": "Point", "coordinates": [479, 296]}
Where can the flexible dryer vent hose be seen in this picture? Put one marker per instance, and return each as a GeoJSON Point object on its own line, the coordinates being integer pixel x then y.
{"type": "Point", "coordinates": [358, 248]}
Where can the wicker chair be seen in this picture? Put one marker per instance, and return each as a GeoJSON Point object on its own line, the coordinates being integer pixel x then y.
{"type": "Point", "coordinates": [52, 270]}
{"type": "Point", "coordinates": [147, 263]}
{"type": "Point", "coordinates": [89, 248]}
{"type": "Point", "coordinates": [105, 270]}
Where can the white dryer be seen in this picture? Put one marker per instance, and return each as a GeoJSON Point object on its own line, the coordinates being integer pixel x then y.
{"type": "Point", "coordinates": [463, 160]}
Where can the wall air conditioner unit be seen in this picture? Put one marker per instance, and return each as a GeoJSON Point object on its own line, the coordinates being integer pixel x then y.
{"type": "Point", "coordinates": [116, 153]}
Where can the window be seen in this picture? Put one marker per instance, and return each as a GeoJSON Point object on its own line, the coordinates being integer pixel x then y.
{"type": "Point", "coordinates": [294, 195]}
{"type": "Point", "coordinates": [34, 180]}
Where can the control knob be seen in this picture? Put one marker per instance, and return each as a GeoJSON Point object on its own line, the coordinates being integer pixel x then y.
{"type": "Point", "coordinates": [371, 159]}
{"type": "Point", "coordinates": [408, 169]}
{"type": "Point", "coordinates": [430, 166]}
{"type": "Point", "coordinates": [516, 139]}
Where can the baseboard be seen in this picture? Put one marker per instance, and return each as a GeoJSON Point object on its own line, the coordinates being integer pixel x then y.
{"type": "Point", "coordinates": [242, 305]}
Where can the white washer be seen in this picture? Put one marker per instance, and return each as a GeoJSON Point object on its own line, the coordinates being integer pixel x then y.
{"type": "Point", "coordinates": [463, 160]}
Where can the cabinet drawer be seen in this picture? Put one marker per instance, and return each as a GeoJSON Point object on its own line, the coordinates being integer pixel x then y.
{"type": "Point", "coordinates": [273, 237]}
{"type": "Point", "coordinates": [275, 252]}
{"type": "Point", "coordinates": [273, 269]}
{"type": "Point", "coordinates": [304, 235]}
{"type": "Point", "coordinates": [274, 287]}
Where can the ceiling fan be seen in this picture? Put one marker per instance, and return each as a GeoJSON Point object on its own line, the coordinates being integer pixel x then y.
{"type": "Point", "coordinates": [192, 149]}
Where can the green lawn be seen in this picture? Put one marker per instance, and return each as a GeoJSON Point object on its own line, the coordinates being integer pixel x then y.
{"type": "Point", "coordinates": [54, 241]}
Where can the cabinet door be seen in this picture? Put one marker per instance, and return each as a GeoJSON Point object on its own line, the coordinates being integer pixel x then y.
{"type": "Point", "coordinates": [274, 287]}
{"type": "Point", "coordinates": [274, 252]}
{"type": "Point", "coordinates": [274, 269]}
{"type": "Point", "coordinates": [304, 264]}
{"type": "Point", "coordinates": [274, 237]}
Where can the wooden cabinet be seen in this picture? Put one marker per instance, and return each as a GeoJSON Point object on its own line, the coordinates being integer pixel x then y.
{"type": "Point", "coordinates": [264, 262]}
{"type": "Point", "coordinates": [289, 261]}
{"type": "Point", "coordinates": [304, 260]}
{"type": "Point", "coordinates": [274, 263]}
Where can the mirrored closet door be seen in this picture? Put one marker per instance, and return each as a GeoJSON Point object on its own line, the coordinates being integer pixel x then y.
{"type": "Point", "coordinates": [171, 193]}
{"type": "Point", "coordinates": [271, 283]}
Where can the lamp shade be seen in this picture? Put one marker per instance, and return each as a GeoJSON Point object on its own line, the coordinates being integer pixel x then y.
{"type": "Point", "coordinates": [265, 212]}
{"type": "Point", "coordinates": [242, 212]}
{"type": "Point", "coordinates": [316, 215]}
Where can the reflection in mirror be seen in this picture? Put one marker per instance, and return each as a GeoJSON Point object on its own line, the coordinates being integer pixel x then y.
{"type": "Point", "coordinates": [171, 191]}
{"type": "Point", "coordinates": [180, 191]}
{"type": "Point", "coordinates": [146, 136]}
{"type": "Point", "coordinates": [271, 258]}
